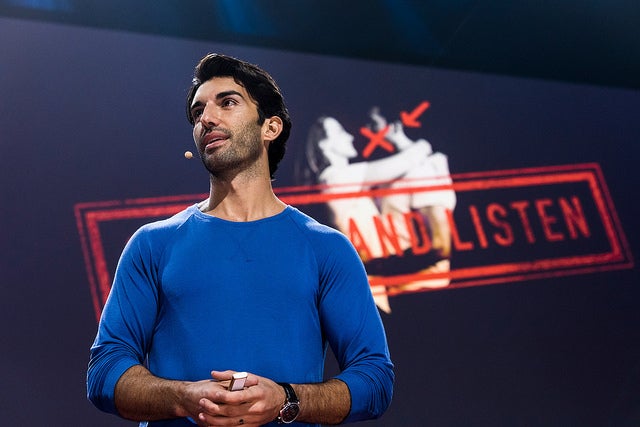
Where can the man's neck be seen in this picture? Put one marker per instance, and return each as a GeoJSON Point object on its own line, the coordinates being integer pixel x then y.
{"type": "Point", "coordinates": [242, 200]}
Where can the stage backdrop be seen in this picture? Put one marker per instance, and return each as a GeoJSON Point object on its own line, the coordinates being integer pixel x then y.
{"type": "Point", "coordinates": [501, 257]}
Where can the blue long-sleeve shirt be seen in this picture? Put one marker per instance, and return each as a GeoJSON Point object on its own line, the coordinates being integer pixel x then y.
{"type": "Point", "coordinates": [195, 293]}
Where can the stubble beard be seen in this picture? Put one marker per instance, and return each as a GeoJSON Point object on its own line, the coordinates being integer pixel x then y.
{"type": "Point", "coordinates": [241, 153]}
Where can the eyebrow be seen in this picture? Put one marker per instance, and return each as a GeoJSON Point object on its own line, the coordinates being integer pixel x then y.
{"type": "Point", "coordinates": [228, 93]}
{"type": "Point", "coordinates": [219, 96]}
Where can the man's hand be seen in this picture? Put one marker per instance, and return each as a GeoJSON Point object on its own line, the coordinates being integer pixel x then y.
{"type": "Point", "coordinates": [257, 404]}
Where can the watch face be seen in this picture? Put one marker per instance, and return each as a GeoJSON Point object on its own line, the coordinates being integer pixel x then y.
{"type": "Point", "coordinates": [289, 412]}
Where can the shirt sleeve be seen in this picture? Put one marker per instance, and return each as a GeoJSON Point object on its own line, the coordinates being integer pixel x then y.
{"type": "Point", "coordinates": [355, 331]}
{"type": "Point", "coordinates": [126, 322]}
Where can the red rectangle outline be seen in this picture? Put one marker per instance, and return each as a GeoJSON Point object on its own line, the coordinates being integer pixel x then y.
{"type": "Point", "coordinates": [90, 215]}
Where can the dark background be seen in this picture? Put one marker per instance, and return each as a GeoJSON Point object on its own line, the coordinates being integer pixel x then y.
{"type": "Point", "coordinates": [91, 109]}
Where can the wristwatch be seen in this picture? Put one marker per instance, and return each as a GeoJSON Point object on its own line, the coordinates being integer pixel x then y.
{"type": "Point", "coordinates": [291, 406]}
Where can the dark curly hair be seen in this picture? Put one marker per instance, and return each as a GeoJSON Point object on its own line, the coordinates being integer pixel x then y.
{"type": "Point", "coordinates": [260, 86]}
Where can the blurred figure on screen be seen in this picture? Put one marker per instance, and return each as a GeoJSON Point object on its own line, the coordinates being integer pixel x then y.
{"type": "Point", "coordinates": [406, 193]}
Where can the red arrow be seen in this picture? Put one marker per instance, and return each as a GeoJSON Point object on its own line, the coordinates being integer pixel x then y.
{"type": "Point", "coordinates": [375, 139]}
{"type": "Point", "coordinates": [410, 119]}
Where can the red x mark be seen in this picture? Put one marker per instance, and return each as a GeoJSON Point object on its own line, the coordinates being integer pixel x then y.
{"type": "Point", "coordinates": [376, 139]}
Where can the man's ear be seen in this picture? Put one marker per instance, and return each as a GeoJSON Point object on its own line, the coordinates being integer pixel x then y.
{"type": "Point", "coordinates": [272, 128]}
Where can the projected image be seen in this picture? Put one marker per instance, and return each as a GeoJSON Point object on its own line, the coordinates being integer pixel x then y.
{"type": "Point", "coordinates": [393, 206]}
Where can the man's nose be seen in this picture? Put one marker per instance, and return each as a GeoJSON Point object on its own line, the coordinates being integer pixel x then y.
{"type": "Point", "coordinates": [210, 116]}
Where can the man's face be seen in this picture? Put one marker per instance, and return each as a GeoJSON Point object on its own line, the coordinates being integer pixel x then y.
{"type": "Point", "coordinates": [226, 129]}
{"type": "Point", "coordinates": [338, 139]}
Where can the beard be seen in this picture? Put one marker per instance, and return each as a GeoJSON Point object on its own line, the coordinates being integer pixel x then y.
{"type": "Point", "coordinates": [242, 151]}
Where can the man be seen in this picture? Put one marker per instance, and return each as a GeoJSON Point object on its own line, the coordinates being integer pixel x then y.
{"type": "Point", "coordinates": [239, 282]}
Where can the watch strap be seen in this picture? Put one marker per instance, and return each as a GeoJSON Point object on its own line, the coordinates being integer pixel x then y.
{"type": "Point", "coordinates": [290, 393]}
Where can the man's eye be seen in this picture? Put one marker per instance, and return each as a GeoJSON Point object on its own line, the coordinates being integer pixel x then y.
{"type": "Point", "coordinates": [195, 114]}
{"type": "Point", "coordinates": [228, 102]}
